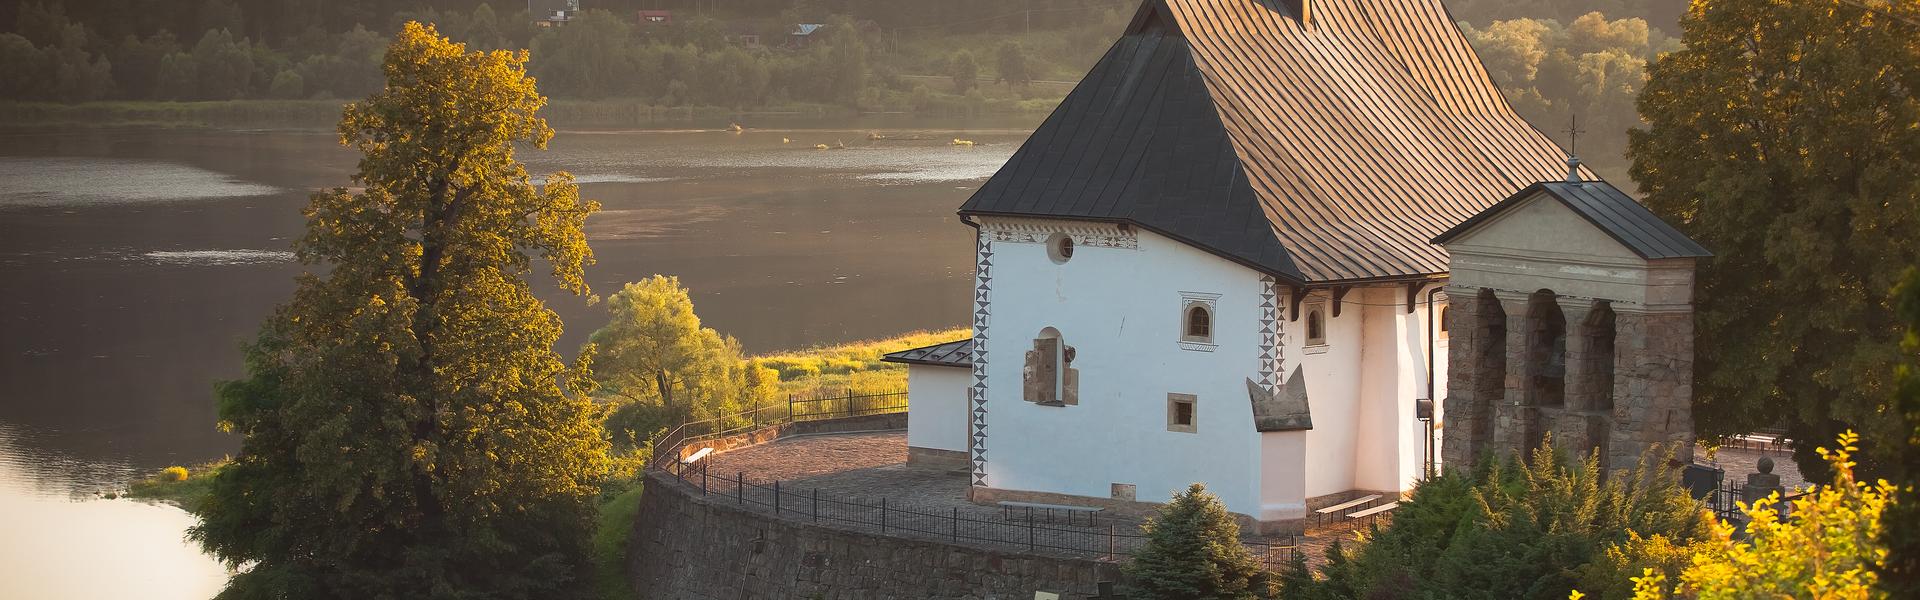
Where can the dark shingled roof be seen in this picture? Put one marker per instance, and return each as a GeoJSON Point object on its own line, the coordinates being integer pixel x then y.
{"type": "Point", "coordinates": [1324, 152]}
{"type": "Point", "coordinates": [1608, 209]}
{"type": "Point", "coordinates": [950, 354]}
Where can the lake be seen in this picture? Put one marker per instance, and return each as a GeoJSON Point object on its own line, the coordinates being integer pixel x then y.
{"type": "Point", "coordinates": [133, 264]}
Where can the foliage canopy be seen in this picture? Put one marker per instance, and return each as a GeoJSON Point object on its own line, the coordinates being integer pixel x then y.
{"type": "Point", "coordinates": [408, 430]}
{"type": "Point", "coordinates": [1827, 549]}
{"type": "Point", "coordinates": [1532, 530]}
{"type": "Point", "coordinates": [1784, 137]}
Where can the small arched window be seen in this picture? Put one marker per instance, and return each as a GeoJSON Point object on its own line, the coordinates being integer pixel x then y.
{"type": "Point", "coordinates": [1445, 326]}
{"type": "Point", "coordinates": [1199, 324]}
{"type": "Point", "coordinates": [1316, 326]}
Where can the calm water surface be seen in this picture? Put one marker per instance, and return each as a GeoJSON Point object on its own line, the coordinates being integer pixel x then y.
{"type": "Point", "coordinates": [134, 263]}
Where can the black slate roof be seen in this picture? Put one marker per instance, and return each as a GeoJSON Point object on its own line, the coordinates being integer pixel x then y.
{"type": "Point", "coordinates": [1324, 151]}
{"type": "Point", "coordinates": [950, 354]}
{"type": "Point", "coordinates": [1608, 209]}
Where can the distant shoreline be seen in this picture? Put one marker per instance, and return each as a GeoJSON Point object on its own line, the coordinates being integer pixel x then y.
{"type": "Point", "coordinates": [565, 115]}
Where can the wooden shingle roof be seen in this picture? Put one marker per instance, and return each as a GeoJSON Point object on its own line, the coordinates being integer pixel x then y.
{"type": "Point", "coordinates": [1325, 151]}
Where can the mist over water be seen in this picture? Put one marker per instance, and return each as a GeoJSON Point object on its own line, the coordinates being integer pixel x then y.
{"type": "Point", "coordinates": [134, 264]}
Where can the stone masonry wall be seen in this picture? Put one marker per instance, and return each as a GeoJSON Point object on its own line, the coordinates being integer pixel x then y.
{"type": "Point", "coordinates": [683, 547]}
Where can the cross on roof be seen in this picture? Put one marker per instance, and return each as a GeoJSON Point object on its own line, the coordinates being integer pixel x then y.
{"type": "Point", "coordinates": [1573, 136]}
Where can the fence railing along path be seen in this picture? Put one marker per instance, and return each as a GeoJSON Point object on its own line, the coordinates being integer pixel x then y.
{"type": "Point", "coordinates": [819, 407]}
{"type": "Point", "coordinates": [1074, 533]}
{"type": "Point", "coordinates": [1080, 534]}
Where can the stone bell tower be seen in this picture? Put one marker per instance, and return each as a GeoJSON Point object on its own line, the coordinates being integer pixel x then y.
{"type": "Point", "coordinates": [1570, 311]}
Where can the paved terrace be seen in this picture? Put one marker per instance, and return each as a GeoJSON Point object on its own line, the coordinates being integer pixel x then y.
{"type": "Point", "coordinates": [854, 473]}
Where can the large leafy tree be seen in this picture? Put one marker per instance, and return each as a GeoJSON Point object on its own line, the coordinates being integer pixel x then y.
{"type": "Point", "coordinates": [660, 367]}
{"type": "Point", "coordinates": [1785, 137]}
{"type": "Point", "coordinates": [409, 431]}
{"type": "Point", "coordinates": [1901, 577]}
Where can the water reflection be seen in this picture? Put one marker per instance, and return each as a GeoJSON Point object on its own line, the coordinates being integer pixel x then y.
{"type": "Point", "coordinates": [133, 264]}
{"type": "Point", "coordinates": [63, 541]}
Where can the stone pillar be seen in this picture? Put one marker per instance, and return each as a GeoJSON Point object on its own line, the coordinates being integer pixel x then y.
{"type": "Point", "coordinates": [1514, 415]}
{"type": "Point", "coordinates": [1464, 408]}
{"type": "Point", "coordinates": [1652, 384]}
{"type": "Point", "coordinates": [1574, 430]}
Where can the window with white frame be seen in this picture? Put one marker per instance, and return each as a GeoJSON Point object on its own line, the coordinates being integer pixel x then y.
{"type": "Point", "coordinates": [1197, 320]}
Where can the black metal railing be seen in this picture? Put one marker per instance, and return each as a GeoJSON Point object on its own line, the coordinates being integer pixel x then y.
{"type": "Point", "coordinates": [1081, 534]}
{"type": "Point", "coordinates": [668, 444]}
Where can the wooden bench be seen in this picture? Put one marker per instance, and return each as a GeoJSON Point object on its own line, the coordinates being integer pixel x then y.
{"type": "Point", "coordinates": [1374, 511]}
{"type": "Point", "coordinates": [1335, 509]}
{"type": "Point", "coordinates": [1010, 508]}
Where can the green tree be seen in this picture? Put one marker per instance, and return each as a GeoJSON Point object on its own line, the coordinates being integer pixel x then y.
{"type": "Point", "coordinates": [407, 429]}
{"type": "Point", "coordinates": [1193, 552]}
{"type": "Point", "coordinates": [287, 84]}
{"type": "Point", "coordinates": [1784, 137]}
{"type": "Point", "coordinates": [964, 70]}
{"type": "Point", "coordinates": [663, 367]}
{"type": "Point", "coordinates": [1536, 529]}
{"type": "Point", "coordinates": [223, 65]}
{"type": "Point", "coordinates": [1901, 576]}
{"type": "Point", "coordinates": [1013, 65]}
{"type": "Point", "coordinates": [1828, 548]}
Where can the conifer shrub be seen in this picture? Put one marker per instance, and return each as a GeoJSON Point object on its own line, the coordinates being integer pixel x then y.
{"type": "Point", "coordinates": [1534, 529]}
{"type": "Point", "coordinates": [1193, 552]}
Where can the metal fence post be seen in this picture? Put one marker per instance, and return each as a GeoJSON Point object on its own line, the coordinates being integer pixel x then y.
{"type": "Point", "coordinates": [740, 488]}
{"type": "Point", "coordinates": [1110, 542]}
{"type": "Point", "coordinates": [703, 480]}
{"type": "Point", "coordinates": [850, 410]}
{"type": "Point", "coordinates": [1030, 544]}
{"type": "Point", "coordinates": [816, 505]}
{"type": "Point", "coordinates": [883, 515]}
{"type": "Point", "coordinates": [776, 497]}
{"type": "Point", "coordinates": [956, 523]}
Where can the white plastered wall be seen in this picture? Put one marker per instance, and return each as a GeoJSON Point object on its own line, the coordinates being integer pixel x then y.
{"type": "Point", "coordinates": [937, 407]}
{"type": "Point", "coordinates": [1120, 309]}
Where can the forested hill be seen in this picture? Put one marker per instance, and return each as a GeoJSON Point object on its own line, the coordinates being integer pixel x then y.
{"type": "Point", "coordinates": [1554, 58]}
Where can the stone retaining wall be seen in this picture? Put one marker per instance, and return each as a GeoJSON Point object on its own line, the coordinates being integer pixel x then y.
{"type": "Point", "coordinates": [685, 547]}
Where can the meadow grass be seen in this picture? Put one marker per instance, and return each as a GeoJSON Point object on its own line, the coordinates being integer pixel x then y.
{"type": "Point", "coordinates": [855, 366]}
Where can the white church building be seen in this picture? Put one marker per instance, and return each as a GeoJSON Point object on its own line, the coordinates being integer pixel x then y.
{"type": "Point", "coordinates": [1214, 263]}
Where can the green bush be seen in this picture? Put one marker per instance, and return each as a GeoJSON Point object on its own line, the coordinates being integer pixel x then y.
{"type": "Point", "coordinates": [1504, 530]}
{"type": "Point", "coordinates": [1193, 551]}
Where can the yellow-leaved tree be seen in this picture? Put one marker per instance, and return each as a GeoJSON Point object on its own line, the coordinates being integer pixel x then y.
{"type": "Point", "coordinates": [1828, 548]}
{"type": "Point", "coordinates": [408, 429]}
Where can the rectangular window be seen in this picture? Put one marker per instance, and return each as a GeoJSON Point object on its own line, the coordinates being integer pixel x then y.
{"type": "Point", "coordinates": [1180, 413]}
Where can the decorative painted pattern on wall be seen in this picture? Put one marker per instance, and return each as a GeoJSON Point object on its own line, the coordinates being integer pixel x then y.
{"type": "Point", "coordinates": [982, 302]}
{"type": "Point", "coordinates": [1036, 231]}
{"type": "Point", "coordinates": [1272, 337]}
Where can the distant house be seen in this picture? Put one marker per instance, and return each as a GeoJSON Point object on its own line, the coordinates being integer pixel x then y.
{"type": "Point", "coordinates": [802, 34]}
{"type": "Point", "coordinates": [552, 13]}
{"type": "Point", "coordinates": [649, 17]}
